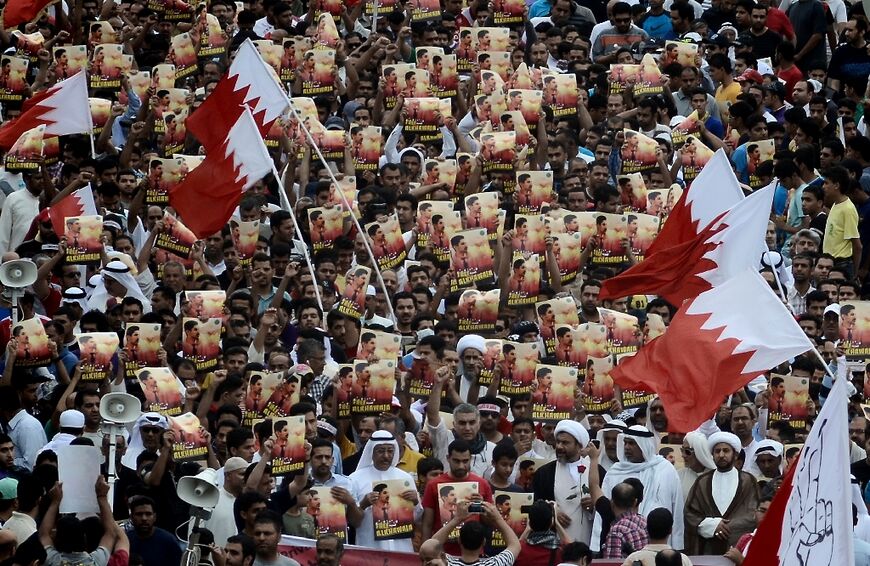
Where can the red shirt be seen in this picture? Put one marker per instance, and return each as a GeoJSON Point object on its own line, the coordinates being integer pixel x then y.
{"type": "Point", "coordinates": [431, 500]}
{"type": "Point", "coordinates": [791, 77]}
{"type": "Point", "coordinates": [778, 21]}
{"type": "Point", "coordinates": [530, 554]}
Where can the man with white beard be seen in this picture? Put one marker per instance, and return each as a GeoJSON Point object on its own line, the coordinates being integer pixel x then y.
{"type": "Point", "coordinates": [636, 450]}
{"type": "Point", "coordinates": [566, 481]}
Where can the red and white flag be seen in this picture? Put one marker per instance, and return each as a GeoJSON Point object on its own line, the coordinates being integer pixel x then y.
{"type": "Point", "coordinates": [19, 12]}
{"type": "Point", "coordinates": [63, 109]}
{"type": "Point", "coordinates": [809, 521]}
{"type": "Point", "coordinates": [713, 192]}
{"type": "Point", "coordinates": [736, 331]}
{"type": "Point", "coordinates": [208, 196]}
{"type": "Point", "coordinates": [249, 81]}
{"type": "Point", "coordinates": [79, 203]}
{"type": "Point", "coordinates": [726, 247]}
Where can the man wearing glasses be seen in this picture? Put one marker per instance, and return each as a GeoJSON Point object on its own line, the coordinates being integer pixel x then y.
{"type": "Point", "coordinates": [621, 34]}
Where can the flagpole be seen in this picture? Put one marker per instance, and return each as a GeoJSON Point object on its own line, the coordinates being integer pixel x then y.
{"type": "Point", "coordinates": [375, 22]}
{"type": "Point", "coordinates": [283, 198]}
{"type": "Point", "coordinates": [93, 148]}
{"type": "Point", "coordinates": [346, 204]}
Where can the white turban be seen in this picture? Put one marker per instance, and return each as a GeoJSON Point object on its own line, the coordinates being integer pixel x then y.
{"type": "Point", "coordinates": [472, 341]}
{"type": "Point", "coordinates": [727, 438]}
{"type": "Point", "coordinates": [575, 429]}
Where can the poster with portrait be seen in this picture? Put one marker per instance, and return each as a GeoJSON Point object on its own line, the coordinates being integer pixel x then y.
{"type": "Point", "coordinates": [425, 10]}
{"type": "Point", "coordinates": [27, 151]}
{"type": "Point", "coordinates": [182, 54]}
{"type": "Point", "coordinates": [101, 32]}
{"type": "Point", "coordinates": [519, 360]}
{"type": "Point", "coordinates": [788, 400]}
{"type": "Point", "coordinates": [491, 357]}
{"type": "Point", "coordinates": [163, 76]}
{"type": "Point", "coordinates": [96, 350]}
{"type": "Point", "coordinates": [422, 378]}
{"type": "Point", "coordinates": [691, 126]}
{"type": "Point", "coordinates": [205, 304]}
{"type": "Point", "coordinates": [106, 66]}
{"type": "Point", "coordinates": [530, 233]}
{"type": "Point", "coordinates": [757, 152]}
{"type": "Point", "coordinates": [683, 52]}
{"type": "Point", "coordinates": [632, 398]}
{"type": "Point", "coordinates": [642, 229]}
{"type": "Point", "coordinates": [466, 54]}
{"type": "Point", "coordinates": [509, 505]}
{"type": "Point", "coordinates": [288, 450]}
{"type": "Point", "coordinates": [443, 228]}
{"type": "Point", "coordinates": [553, 313]}
{"type": "Point", "coordinates": [373, 387]}
{"type": "Point", "coordinates": [283, 397]}
{"type": "Point", "coordinates": [317, 72]}
{"type": "Point", "coordinates": [366, 147]}
{"type": "Point", "coordinates": [524, 471]}
{"type": "Point", "coordinates": [83, 235]}
{"type": "Point", "coordinates": [326, 35]}
{"type": "Point", "coordinates": [855, 329]}
{"type": "Point", "coordinates": [505, 12]}
{"type": "Point", "coordinates": [576, 344]}
{"type": "Point", "coordinates": [245, 235]}
{"type": "Point", "coordinates": [534, 188]}
{"type": "Point", "coordinates": [471, 259]}
{"type": "Point", "coordinates": [481, 211]}
{"type": "Point", "coordinates": [653, 327]}
{"type": "Point", "coordinates": [13, 78]}
{"type": "Point", "coordinates": [611, 230]}
{"type": "Point", "coordinates": [213, 41]}
{"type": "Point", "coordinates": [649, 81]}
{"type": "Point", "coordinates": [638, 152]}
{"type": "Point", "coordinates": [632, 189]}
{"type": "Point", "coordinates": [621, 331]}
{"type": "Point", "coordinates": [377, 345]}
{"type": "Point", "coordinates": [513, 121]}
{"type": "Point", "coordinates": [597, 388]}
{"type": "Point", "coordinates": [567, 249]}
{"type": "Point", "coordinates": [353, 299]}
{"type": "Point", "coordinates": [344, 390]}
{"type": "Point", "coordinates": [325, 225]}
{"type": "Point", "coordinates": [525, 78]}
{"type": "Point", "coordinates": [478, 310]}
{"type": "Point", "coordinates": [163, 391]}
{"type": "Point", "coordinates": [499, 150]}
{"type": "Point", "coordinates": [330, 514]}
{"type": "Point", "coordinates": [388, 245]}
{"type": "Point", "coordinates": [141, 346]}
{"type": "Point", "coordinates": [449, 496]}
{"type": "Point", "coordinates": [528, 102]}
{"type": "Point", "coordinates": [294, 52]}
{"type": "Point", "coordinates": [561, 94]}
{"type": "Point", "coordinates": [443, 75]}
{"type": "Point", "coordinates": [495, 70]}
{"type": "Point", "coordinates": [32, 342]}
{"type": "Point", "coordinates": [392, 514]}
{"type": "Point", "coordinates": [440, 171]}
{"type": "Point", "coordinates": [622, 77]}
{"type": "Point", "coordinates": [175, 236]}
{"type": "Point", "coordinates": [100, 110]}
{"type": "Point", "coordinates": [394, 79]}
{"type": "Point", "coordinates": [28, 45]}
{"type": "Point", "coordinates": [201, 342]}
{"type": "Point", "coordinates": [190, 438]}
{"type": "Point", "coordinates": [553, 399]}
{"type": "Point", "coordinates": [524, 283]}
{"type": "Point", "coordinates": [695, 156]}
{"type": "Point", "coordinates": [345, 190]}
{"type": "Point", "coordinates": [69, 60]}
{"type": "Point", "coordinates": [421, 116]}
{"type": "Point", "coordinates": [261, 386]}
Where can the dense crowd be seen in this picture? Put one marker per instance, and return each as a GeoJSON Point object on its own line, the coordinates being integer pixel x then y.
{"type": "Point", "coordinates": [395, 346]}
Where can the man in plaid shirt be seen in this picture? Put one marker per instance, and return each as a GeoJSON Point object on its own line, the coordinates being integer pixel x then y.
{"type": "Point", "coordinates": [628, 532]}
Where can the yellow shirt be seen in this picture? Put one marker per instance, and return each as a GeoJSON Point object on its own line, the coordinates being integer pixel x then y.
{"type": "Point", "coordinates": [841, 228]}
{"type": "Point", "coordinates": [408, 461]}
{"type": "Point", "coordinates": [726, 96]}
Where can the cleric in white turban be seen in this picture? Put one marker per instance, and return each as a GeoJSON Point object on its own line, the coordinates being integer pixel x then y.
{"type": "Point", "coordinates": [721, 505]}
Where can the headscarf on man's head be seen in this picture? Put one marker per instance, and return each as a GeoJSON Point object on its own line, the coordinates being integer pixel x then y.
{"type": "Point", "coordinates": [120, 272]}
{"type": "Point", "coordinates": [379, 437]}
{"type": "Point", "coordinates": [135, 446]}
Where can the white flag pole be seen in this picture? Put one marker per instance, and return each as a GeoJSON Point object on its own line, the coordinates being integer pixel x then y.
{"type": "Point", "coordinates": [346, 204]}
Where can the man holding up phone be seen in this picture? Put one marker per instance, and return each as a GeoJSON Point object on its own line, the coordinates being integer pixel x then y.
{"type": "Point", "coordinates": [472, 536]}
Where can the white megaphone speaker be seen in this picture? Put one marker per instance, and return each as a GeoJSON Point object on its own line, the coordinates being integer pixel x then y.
{"type": "Point", "coordinates": [200, 490]}
{"type": "Point", "coordinates": [120, 408]}
{"type": "Point", "coordinates": [18, 273]}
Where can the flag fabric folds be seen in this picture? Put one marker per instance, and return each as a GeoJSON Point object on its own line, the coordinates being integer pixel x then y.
{"type": "Point", "coordinates": [716, 343]}
{"type": "Point", "coordinates": [79, 203]}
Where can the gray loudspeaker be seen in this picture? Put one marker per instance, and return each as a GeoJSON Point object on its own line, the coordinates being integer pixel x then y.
{"type": "Point", "coordinates": [200, 490]}
{"type": "Point", "coordinates": [120, 408]}
{"type": "Point", "coordinates": [18, 273]}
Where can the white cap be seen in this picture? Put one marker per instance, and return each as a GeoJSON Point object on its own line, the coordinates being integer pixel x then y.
{"type": "Point", "coordinates": [72, 418]}
{"type": "Point", "coordinates": [834, 308]}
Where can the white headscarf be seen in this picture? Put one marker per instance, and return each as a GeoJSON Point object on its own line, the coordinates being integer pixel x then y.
{"type": "Point", "coordinates": [698, 442]}
{"type": "Point", "coordinates": [135, 447]}
{"type": "Point", "coordinates": [378, 438]}
{"type": "Point", "coordinates": [646, 441]}
{"type": "Point", "coordinates": [575, 429]}
{"type": "Point", "coordinates": [769, 446]}
{"type": "Point", "coordinates": [120, 272]}
{"type": "Point", "coordinates": [615, 425]}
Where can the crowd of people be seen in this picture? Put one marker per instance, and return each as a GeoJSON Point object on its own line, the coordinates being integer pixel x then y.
{"type": "Point", "coordinates": [396, 346]}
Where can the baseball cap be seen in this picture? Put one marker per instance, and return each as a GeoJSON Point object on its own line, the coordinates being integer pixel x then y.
{"type": "Point", "coordinates": [751, 75]}
{"type": "Point", "coordinates": [8, 489]}
{"type": "Point", "coordinates": [832, 308]}
{"type": "Point", "coordinates": [235, 463]}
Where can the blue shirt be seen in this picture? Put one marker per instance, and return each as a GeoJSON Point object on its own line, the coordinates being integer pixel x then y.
{"type": "Point", "coordinates": [658, 26]}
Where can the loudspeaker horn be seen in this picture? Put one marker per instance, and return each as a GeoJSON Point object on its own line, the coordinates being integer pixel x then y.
{"type": "Point", "coordinates": [18, 273]}
{"type": "Point", "coordinates": [200, 490]}
{"type": "Point", "coordinates": [120, 408]}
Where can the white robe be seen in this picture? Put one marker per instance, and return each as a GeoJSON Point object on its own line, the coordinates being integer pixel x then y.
{"type": "Point", "coordinates": [662, 487]}
{"type": "Point", "coordinates": [569, 490]}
